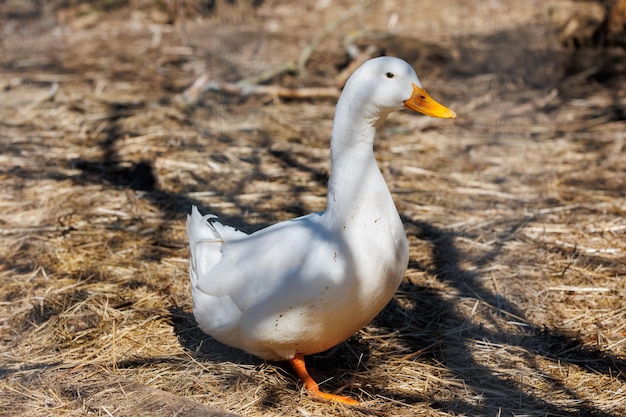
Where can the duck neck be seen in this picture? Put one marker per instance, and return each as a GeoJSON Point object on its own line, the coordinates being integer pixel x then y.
{"type": "Point", "coordinates": [355, 181]}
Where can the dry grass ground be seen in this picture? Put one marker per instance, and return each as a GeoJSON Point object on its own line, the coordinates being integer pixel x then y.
{"type": "Point", "coordinates": [515, 298]}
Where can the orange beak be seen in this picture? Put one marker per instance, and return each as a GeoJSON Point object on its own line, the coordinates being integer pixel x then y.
{"type": "Point", "coordinates": [422, 102]}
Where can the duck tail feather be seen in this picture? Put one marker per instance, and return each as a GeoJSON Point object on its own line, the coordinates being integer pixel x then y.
{"type": "Point", "coordinates": [206, 237]}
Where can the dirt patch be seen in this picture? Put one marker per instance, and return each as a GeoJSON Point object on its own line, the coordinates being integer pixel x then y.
{"type": "Point", "coordinates": [513, 303]}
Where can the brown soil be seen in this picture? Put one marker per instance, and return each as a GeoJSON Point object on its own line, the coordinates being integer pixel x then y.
{"type": "Point", "coordinates": [515, 298]}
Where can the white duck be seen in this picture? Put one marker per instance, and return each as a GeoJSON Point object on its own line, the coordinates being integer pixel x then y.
{"type": "Point", "coordinates": [305, 285]}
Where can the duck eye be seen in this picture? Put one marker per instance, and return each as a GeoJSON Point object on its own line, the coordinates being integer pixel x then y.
{"type": "Point", "coordinates": [389, 75]}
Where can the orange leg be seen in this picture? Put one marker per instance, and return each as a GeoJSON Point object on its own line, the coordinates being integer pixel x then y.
{"type": "Point", "coordinates": [298, 364]}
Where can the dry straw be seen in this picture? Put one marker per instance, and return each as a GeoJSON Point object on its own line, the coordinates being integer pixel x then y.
{"type": "Point", "coordinates": [513, 303]}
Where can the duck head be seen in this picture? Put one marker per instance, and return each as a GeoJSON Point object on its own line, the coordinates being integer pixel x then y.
{"type": "Point", "coordinates": [386, 84]}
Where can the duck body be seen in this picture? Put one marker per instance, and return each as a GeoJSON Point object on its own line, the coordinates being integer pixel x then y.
{"type": "Point", "coordinates": [304, 285]}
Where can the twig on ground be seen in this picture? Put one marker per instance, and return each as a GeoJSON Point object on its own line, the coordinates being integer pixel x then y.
{"type": "Point", "coordinates": [193, 94]}
{"type": "Point", "coordinates": [251, 85]}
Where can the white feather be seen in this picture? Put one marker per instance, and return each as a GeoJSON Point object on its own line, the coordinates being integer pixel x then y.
{"type": "Point", "coordinates": [305, 285]}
